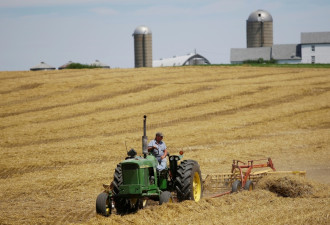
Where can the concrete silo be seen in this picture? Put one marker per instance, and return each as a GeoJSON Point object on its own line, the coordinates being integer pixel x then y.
{"type": "Point", "coordinates": [143, 47]}
{"type": "Point", "coordinates": [259, 29]}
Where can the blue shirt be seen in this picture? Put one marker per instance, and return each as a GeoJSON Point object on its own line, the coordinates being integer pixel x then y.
{"type": "Point", "coordinates": [161, 148]}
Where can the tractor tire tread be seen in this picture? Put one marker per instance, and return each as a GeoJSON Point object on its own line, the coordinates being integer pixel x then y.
{"type": "Point", "coordinates": [184, 179]}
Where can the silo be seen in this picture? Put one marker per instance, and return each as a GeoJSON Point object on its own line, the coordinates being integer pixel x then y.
{"type": "Point", "coordinates": [143, 47]}
{"type": "Point", "coordinates": [259, 29]}
{"type": "Point", "coordinates": [42, 66]}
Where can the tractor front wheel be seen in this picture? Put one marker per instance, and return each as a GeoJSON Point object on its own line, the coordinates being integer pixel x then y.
{"type": "Point", "coordinates": [103, 204]}
{"type": "Point", "coordinates": [189, 181]}
{"type": "Point", "coordinates": [143, 203]}
{"type": "Point", "coordinates": [165, 197]}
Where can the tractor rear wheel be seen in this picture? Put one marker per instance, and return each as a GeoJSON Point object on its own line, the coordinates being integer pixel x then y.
{"type": "Point", "coordinates": [236, 186]}
{"type": "Point", "coordinates": [117, 179]}
{"type": "Point", "coordinates": [103, 204]}
{"type": "Point", "coordinates": [249, 186]}
{"type": "Point", "coordinates": [165, 197]}
{"type": "Point", "coordinates": [189, 181]}
{"type": "Point", "coordinates": [122, 205]}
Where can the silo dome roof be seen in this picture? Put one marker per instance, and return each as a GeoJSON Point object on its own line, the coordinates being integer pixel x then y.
{"type": "Point", "coordinates": [260, 15]}
{"type": "Point", "coordinates": [42, 66]}
{"type": "Point", "coordinates": [142, 30]}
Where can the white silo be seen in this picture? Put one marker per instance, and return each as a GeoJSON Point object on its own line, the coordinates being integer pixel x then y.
{"type": "Point", "coordinates": [259, 29]}
{"type": "Point", "coordinates": [143, 47]}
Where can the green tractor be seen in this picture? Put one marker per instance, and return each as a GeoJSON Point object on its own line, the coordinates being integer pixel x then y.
{"type": "Point", "coordinates": [137, 180]}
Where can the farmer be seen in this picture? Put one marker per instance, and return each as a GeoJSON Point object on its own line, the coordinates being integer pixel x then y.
{"type": "Point", "coordinates": [158, 148]}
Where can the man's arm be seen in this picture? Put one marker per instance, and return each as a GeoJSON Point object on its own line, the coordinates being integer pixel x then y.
{"type": "Point", "coordinates": [151, 146]}
{"type": "Point", "coordinates": [165, 154]}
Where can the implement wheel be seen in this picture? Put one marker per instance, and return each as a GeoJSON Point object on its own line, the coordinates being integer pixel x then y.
{"type": "Point", "coordinates": [189, 181]}
{"type": "Point", "coordinates": [249, 186]}
{"type": "Point", "coordinates": [103, 204]}
{"type": "Point", "coordinates": [236, 186]}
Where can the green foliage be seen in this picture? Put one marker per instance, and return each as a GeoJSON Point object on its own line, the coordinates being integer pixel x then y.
{"type": "Point", "coordinates": [260, 61]}
{"type": "Point", "coordinates": [81, 66]}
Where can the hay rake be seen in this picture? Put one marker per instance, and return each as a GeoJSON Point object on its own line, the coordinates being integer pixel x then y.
{"type": "Point", "coordinates": [243, 176]}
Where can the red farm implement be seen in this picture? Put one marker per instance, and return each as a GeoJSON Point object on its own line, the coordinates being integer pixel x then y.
{"type": "Point", "coordinates": [243, 176]}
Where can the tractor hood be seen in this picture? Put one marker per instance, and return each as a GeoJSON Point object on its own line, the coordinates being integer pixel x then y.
{"type": "Point", "coordinates": [139, 176]}
{"type": "Point", "coordinates": [149, 161]}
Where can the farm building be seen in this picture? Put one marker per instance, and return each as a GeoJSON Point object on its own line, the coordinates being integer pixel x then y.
{"type": "Point", "coordinates": [314, 48]}
{"type": "Point", "coordinates": [185, 60]}
{"type": "Point", "coordinates": [286, 53]}
{"type": "Point", "coordinates": [100, 64]}
{"type": "Point", "coordinates": [42, 66]}
{"type": "Point", "coordinates": [65, 66]}
{"type": "Point", "coordinates": [239, 55]}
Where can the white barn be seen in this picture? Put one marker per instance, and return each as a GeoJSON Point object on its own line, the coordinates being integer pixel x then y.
{"type": "Point", "coordinates": [286, 53]}
{"type": "Point", "coordinates": [315, 47]}
{"type": "Point", "coordinates": [185, 60]}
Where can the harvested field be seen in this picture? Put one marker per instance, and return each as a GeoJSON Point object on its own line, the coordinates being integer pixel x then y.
{"type": "Point", "coordinates": [62, 134]}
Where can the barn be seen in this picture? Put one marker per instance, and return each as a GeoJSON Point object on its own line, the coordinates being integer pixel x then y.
{"type": "Point", "coordinates": [65, 66]}
{"type": "Point", "coordinates": [99, 64]}
{"type": "Point", "coordinates": [185, 60]}
{"type": "Point", "coordinates": [314, 48]}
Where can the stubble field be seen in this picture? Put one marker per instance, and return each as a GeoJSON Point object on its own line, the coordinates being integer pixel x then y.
{"type": "Point", "coordinates": [62, 134]}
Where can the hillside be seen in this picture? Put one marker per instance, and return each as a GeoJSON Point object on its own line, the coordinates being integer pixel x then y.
{"type": "Point", "coordinates": [62, 133]}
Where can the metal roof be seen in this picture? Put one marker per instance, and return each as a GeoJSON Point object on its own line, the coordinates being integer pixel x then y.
{"type": "Point", "coordinates": [142, 30]}
{"type": "Point", "coordinates": [286, 51]}
{"type": "Point", "coordinates": [178, 60]}
{"type": "Point", "coordinates": [260, 16]}
{"type": "Point", "coordinates": [65, 65]}
{"type": "Point", "coordinates": [99, 64]}
{"type": "Point", "coordinates": [42, 66]}
{"type": "Point", "coordinates": [315, 37]}
{"type": "Point", "coordinates": [244, 54]}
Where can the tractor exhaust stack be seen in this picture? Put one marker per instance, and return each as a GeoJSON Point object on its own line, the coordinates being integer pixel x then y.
{"type": "Point", "coordinates": [144, 137]}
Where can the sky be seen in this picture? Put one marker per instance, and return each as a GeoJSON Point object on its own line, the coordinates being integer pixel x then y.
{"type": "Point", "coordinates": [58, 31]}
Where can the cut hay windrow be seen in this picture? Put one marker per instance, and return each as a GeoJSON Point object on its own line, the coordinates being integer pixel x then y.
{"type": "Point", "coordinates": [291, 186]}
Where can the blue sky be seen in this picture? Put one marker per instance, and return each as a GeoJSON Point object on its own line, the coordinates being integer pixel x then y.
{"type": "Point", "coordinates": [57, 31]}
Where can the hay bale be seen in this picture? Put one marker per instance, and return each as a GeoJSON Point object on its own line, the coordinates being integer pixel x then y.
{"type": "Point", "coordinates": [287, 186]}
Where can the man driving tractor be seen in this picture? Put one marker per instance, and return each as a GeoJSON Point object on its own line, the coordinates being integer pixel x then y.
{"type": "Point", "coordinates": [158, 148]}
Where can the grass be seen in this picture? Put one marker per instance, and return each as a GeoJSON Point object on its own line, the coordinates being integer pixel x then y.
{"type": "Point", "coordinates": [62, 134]}
{"type": "Point", "coordinates": [302, 65]}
